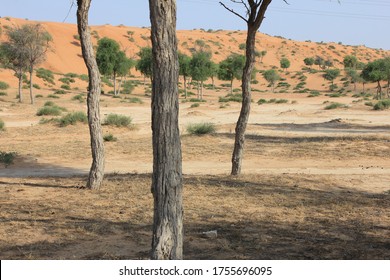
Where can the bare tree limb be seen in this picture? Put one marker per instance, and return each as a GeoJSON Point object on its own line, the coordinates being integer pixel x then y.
{"type": "Point", "coordinates": [233, 12]}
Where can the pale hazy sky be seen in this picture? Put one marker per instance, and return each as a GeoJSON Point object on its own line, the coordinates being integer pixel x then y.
{"type": "Point", "coordinates": [354, 22]}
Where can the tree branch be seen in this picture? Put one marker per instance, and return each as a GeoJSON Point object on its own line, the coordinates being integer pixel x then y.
{"type": "Point", "coordinates": [233, 12]}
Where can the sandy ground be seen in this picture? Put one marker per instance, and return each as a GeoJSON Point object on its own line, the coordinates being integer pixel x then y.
{"type": "Point", "coordinates": [315, 183]}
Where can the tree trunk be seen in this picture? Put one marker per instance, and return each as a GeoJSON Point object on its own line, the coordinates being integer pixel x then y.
{"type": "Point", "coordinates": [167, 185]}
{"type": "Point", "coordinates": [96, 172]}
{"type": "Point", "coordinates": [201, 90]}
{"type": "Point", "coordinates": [120, 85]}
{"type": "Point", "coordinates": [20, 77]}
{"type": "Point", "coordinates": [231, 86]}
{"type": "Point", "coordinates": [31, 86]}
{"type": "Point", "coordinates": [246, 102]}
{"type": "Point", "coordinates": [115, 83]}
{"type": "Point", "coordinates": [185, 87]}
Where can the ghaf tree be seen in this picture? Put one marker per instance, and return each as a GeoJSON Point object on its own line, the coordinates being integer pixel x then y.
{"type": "Point", "coordinates": [254, 16]}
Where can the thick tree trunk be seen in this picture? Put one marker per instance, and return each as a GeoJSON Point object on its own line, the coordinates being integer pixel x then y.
{"type": "Point", "coordinates": [246, 102]}
{"type": "Point", "coordinates": [96, 172]}
{"type": "Point", "coordinates": [31, 86]}
{"type": "Point", "coordinates": [167, 182]}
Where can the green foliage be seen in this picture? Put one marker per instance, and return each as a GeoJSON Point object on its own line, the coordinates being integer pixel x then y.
{"type": "Point", "coordinates": [242, 46]}
{"type": "Point", "coordinates": [53, 96]}
{"type": "Point", "coordinates": [109, 137]}
{"type": "Point", "coordinates": [200, 65]}
{"type": "Point", "coordinates": [201, 128]}
{"type": "Point", "coordinates": [73, 118]}
{"type": "Point", "coordinates": [78, 97]}
{"type": "Point", "coordinates": [45, 75]}
{"type": "Point", "coordinates": [2, 125]}
{"type": "Point", "coordinates": [66, 80]}
{"type": "Point", "coordinates": [309, 61]}
{"type": "Point", "coordinates": [65, 86]}
{"type": "Point", "coordinates": [2, 93]}
{"type": "Point", "coordinates": [195, 105]}
{"type": "Point", "coordinates": [382, 105]}
{"type": "Point", "coordinates": [335, 105]}
{"type": "Point", "coordinates": [184, 65]}
{"type": "Point", "coordinates": [84, 77]}
{"type": "Point", "coordinates": [314, 93]}
{"type": "Point", "coordinates": [231, 68]}
{"type": "Point", "coordinates": [197, 100]}
{"type": "Point", "coordinates": [128, 87]}
{"type": "Point", "coordinates": [350, 61]}
{"type": "Point", "coordinates": [271, 76]}
{"type": "Point", "coordinates": [145, 63]}
{"type": "Point", "coordinates": [236, 97]}
{"type": "Point", "coordinates": [285, 63]}
{"type": "Point", "coordinates": [262, 101]}
{"type": "Point", "coordinates": [134, 100]}
{"type": "Point", "coordinates": [49, 111]}
{"type": "Point", "coordinates": [7, 158]}
{"type": "Point", "coordinates": [118, 120]}
{"type": "Point", "coordinates": [59, 91]}
{"type": "Point", "coordinates": [331, 74]}
{"type": "Point", "coordinates": [3, 85]}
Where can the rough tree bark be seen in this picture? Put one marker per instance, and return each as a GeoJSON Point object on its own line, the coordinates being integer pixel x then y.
{"type": "Point", "coordinates": [96, 172]}
{"type": "Point", "coordinates": [255, 11]}
{"type": "Point", "coordinates": [167, 182]}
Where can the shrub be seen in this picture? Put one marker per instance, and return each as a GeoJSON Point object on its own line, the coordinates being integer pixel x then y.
{"type": "Point", "coordinates": [73, 118]}
{"type": "Point", "coordinates": [2, 125]}
{"type": "Point", "coordinates": [45, 75]}
{"type": "Point", "coordinates": [49, 103]}
{"type": "Point", "coordinates": [196, 100]}
{"type": "Point", "coordinates": [38, 96]}
{"type": "Point", "coordinates": [236, 97]}
{"type": "Point", "coordinates": [84, 77]}
{"type": "Point", "coordinates": [134, 100]}
{"type": "Point", "coordinates": [109, 137]}
{"type": "Point", "coordinates": [314, 93]}
{"type": "Point", "coordinates": [78, 97]}
{"type": "Point", "coordinates": [194, 105]}
{"type": "Point", "coordinates": [53, 96]}
{"type": "Point", "coordinates": [50, 109]}
{"type": "Point", "coordinates": [4, 85]}
{"type": "Point", "coordinates": [201, 128]}
{"type": "Point", "coordinates": [59, 91]}
{"type": "Point", "coordinates": [261, 101]}
{"type": "Point", "coordinates": [128, 87]}
{"type": "Point", "coordinates": [65, 86]}
{"type": "Point", "coordinates": [335, 105]}
{"type": "Point", "coordinates": [7, 158]}
{"type": "Point", "coordinates": [382, 105]}
{"type": "Point", "coordinates": [2, 93]}
{"type": "Point", "coordinates": [118, 120]}
{"type": "Point", "coordinates": [36, 86]}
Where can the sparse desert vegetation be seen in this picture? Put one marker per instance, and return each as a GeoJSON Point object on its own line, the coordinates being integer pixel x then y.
{"type": "Point", "coordinates": [315, 182]}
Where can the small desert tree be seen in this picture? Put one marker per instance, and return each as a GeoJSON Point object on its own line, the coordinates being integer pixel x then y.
{"type": "Point", "coordinates": [110, 59]}
{"type": "Point", "coordinates": [285, 63]}
{"type": "Point", "coordinates": [200, 65]}
{"type": "Point", "coordinates": [37, 45]}
{"type": "Point", "coordinates": [13, 57]}
{"type": "Point", "coordinates": [96, 173]}
{"type": "Point", "coordinates": [145, 63]}
{"type": "Point", "coordinates": [185, 69]}
{"type": "Point", "coordinates": [309, 61]}
{"type": "Point", "coordinates": [350, 61]}
{"type": "Point", "coordinates": [271, 76]}
{"type": "Point", "coordinates": [253, 15]}
{"type": "Point", "coordinates": [376, 72]}
{"type": "Point", "coordinates": [231, 68]}
{"type": "Point", "coordinates": [331, 75]}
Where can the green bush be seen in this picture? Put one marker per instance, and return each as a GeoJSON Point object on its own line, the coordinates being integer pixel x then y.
{"type": "Point", "coordinates": [194, 105]}
{"type": "Point", "coordinates": [4, 85]}
{"type": "Point", "coordinates": [382, 105]}
{"type": "Point", "coordinates": [236, 97]}
{"type": "Point", "coordinates": [78, 97]}
{"type": "Point", "coordinates": [36, 86]}
{"type": "Point", "coordinates": [201, 128]}
{"type": "Point", "coordinates": [65, 86]}
{"type": "Point", "coordinates": [2, 124]}
{"type": "Point", "coordinates": [45, 75]}
{"type": "Point", "coordinates": [109, 137]}
{"type": "Point", "coordinates": [335, 105]}
{"type": "Point", "coordinates": [118, 120]}
{"type": "Point", "coordinates": [2, 93]}
{"type": "Point", "coordinates": [59, 91]}
{"type": "Point", "coordinates": [73, 118]}
{"type": "Point", "coordinates": [261, 101]}
{"type": "Point", "coordinates": [7, 158]}
{"type": "Point", "coordinates": [128, 87]}
{"type": "Point", "coordinates": [196, 100]}
{"type": "Point", "coordinates": [133, 100]}
{"type": "Point", "coordinates": [49, 111]}
{"type": "Point", "coordinates": [53, 96]}
{"type": "Point", "coordinates": [84, 77]}
{"type": "Point", "coordinates": [314, 93]}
